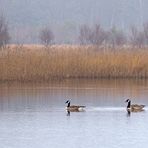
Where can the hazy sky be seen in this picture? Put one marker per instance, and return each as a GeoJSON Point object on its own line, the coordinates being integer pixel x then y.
{"type": "Point", "coordinates": [65, 16]}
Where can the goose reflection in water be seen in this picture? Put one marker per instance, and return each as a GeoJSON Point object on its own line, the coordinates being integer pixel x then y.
{"type": "Point", "coordinates": [128, 113]}
{"type": "Point", "coordinates": [68, 113]}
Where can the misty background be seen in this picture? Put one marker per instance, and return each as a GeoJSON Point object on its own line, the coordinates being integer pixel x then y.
{"type": "Point", "coordinates": [64, 17]}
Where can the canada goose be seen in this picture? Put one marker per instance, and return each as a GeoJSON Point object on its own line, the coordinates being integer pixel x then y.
{"type": "Point", "coordinates": [73, 108]}
{"type": "Point", "coordinates": [134, 107]}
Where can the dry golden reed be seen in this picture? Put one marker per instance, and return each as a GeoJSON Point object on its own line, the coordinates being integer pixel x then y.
{"type": "Point", "coordinates": [35, 63]}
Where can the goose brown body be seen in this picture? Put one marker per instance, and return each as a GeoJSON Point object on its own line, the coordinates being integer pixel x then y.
{"type": "Point", "coordinates": [74, 108]}
{"type": "Point", "coordinates": [134, 107]}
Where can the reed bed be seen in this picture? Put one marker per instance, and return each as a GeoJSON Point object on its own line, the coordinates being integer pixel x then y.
{"type": "Point", "coordinates": [36, 63]}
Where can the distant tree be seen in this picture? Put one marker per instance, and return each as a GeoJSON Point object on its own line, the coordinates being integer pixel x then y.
{"type": "Point", "coordinates": [98, 35]}
{"type": "Point", "coordinates": [137, 37]}
{"type": "Point", "coordinates": [46, 36]}
{"type": "Point", "coordinates": [4, 34]}
{"type": "Point", "coordinates": [116, 37]}
{"type": "Point", "coordinates": [95, 35]}
{"type": "Point", "coordinates": [85, 35]}
{"type": "Point", "coordinates": [145, 29]}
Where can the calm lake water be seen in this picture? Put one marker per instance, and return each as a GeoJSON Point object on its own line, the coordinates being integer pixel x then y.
{"type": "Point", "coordinates": [34, 115]}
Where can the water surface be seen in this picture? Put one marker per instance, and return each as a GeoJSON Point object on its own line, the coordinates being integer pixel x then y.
{"type": "Point", "coordinates": [33, 115]}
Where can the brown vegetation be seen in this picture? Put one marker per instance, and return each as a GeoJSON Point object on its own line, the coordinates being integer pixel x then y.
{"type": "Point", "coordinates": [36, 64]}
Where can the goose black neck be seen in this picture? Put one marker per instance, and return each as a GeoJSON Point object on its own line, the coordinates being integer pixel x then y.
{"type": "Point", "coordinates": [129, 104]}
{"type": "Point", "coordinates": [68, 104]}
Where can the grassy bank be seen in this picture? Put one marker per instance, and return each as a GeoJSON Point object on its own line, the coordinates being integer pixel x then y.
{"type": "Point", "coordinates": [34, 63]}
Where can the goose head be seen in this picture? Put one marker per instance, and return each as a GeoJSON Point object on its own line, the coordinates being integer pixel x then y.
{"type": "Point", "coordinates": [128, 100]}
{"type": "Point", "coordinates": [67, 102]}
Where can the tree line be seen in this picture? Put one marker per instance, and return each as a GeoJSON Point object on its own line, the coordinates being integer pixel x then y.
{"type": "Point", "coordinates": [114, 37]}
{"type": "Point", "coordinates": [94, 35]}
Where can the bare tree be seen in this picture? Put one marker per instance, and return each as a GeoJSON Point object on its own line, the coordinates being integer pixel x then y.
{"type": "Point", "coordinates": [94, 36]}
{"type": "Point", "coordinates": [85, 35]}
{"type": "Point", "coordinates": [133, 36]}
{"type": "Point", "coordinates": [145, 29]}
{"type": "Point", "coordinates": [137, 37]}
{"type": "Point", "coordinates": [116, 37]}
{"type": "Point", "coordinates": [98, 35]}
{"type": "Point", "coordinates": [4, 34]}
{"type": "Point", "coordinates": [46, 36]}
